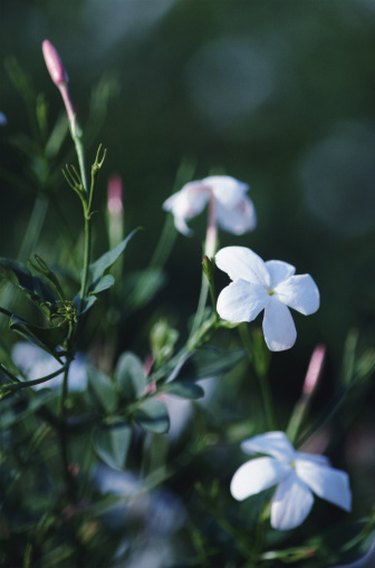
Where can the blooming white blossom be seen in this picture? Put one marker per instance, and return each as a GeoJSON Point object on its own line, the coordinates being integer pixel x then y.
{"type": "Point", "coordinates": [297, 475]}
{"type": "Point", "coordinates": [232, 209]}
{"type": "Point", "coordinates": [271, 286]}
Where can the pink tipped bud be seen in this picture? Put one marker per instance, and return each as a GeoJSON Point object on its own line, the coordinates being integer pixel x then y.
{"type": "Point", "coordinates": [114, 195]}
{"type": "Point", "coordinates": [314, 370]}
{"type": "Point", "coordinates": [54, 64]}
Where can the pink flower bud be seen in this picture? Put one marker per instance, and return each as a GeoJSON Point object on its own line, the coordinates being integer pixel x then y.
{"type": "Point", "coordinates": [54, 64]}
{"type": "Point", "coordinates": [314, 370]}
{"type": "Point", "coordinates": [114, 195]}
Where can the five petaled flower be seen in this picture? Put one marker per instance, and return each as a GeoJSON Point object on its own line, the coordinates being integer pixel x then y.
{"type": "Point", "coordinates": [232, 208]}
{"type": "Point", "coordinates": [271, 286]}
{"type": "Point", "coordinates": [297, 475]}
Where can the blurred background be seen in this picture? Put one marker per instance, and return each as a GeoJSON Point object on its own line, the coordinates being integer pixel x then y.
{"type": "Point", "coordinates": [277, 94]}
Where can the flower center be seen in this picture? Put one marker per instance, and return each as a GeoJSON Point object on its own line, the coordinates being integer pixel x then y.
{"type": "Point", "coordinates": [271, 292]}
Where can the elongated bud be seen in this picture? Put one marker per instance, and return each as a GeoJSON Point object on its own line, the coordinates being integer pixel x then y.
{"type": "Point", "coordinates": [114, 196]}
{"type": "Point", "coordinates": [59, 76]}
{"type": "Point", "coordinates": [54, 64]}
{"type": "Point", "coordinates": [314, 370]}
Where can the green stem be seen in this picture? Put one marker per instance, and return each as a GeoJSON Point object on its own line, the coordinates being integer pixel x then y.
{"type": "Point", "coordinates": [262, 377]}
{"type": "Point", "coordinates": [199, 314]}
{"type": "Point", "coordinates": [77, 139]}
{"type": "Point", "coordinates": [296, 420]}
{"type": "Point", "coordinates": [17, 384]}
{"type": "Point", "coordinates": [209, 251]}
{"type": "Point", "coordinates": [86, 256]}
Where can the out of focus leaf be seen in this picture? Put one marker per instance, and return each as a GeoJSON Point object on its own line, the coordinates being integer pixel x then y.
{"type": "Point", "coordinates": [103, 390]}
{"type": "Point", "coordinates": [142, 286]}
{"type": "Point", "coordinates": [18, 274]}
{"type": "Point", "coordinates": [15, 412]}
{"type": "Point", "coordinates": [130, 376]}
{"type": "Point", "coordinates": [152, 415]}
{"type": "Point", "coordinates": [112, 445]}
{"type": "Point", "coordinates": [210, 361]}
{"type": "Point", "coordinates": [183, 389]}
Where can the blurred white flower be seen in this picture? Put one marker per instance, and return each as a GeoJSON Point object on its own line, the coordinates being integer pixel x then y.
{"type": "Point", "coordinates": [3, 119]}
{"type": "Point", "coordinates": [271, 286]}
{"type": "Point", "coordinates": [160, 512]}
{"type": "Point", "coordinates": [34, 363]}
{"type": "Point", "coordinates": [232, 208]}
{"type": "Point", "coordinates": [297, 475]}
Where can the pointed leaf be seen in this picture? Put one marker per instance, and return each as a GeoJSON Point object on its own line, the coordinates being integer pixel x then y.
{"type": "Point", "coordinates": [184, 389]}
{"type": "Point", "coordinates": [19, 275]}
{"type": "Point", "coordinates": [206, 362]}
{"type": "Point", "coordinates": [152, 415]}
{"type": "Point", "coordinates": [102, 284]}
{"type": "Point", "coordinates": [130, 376]}
{"type": "Point", "coordinates": [105, 262]}
{"type": "Point", "coordinates": [48, 338]}
{"type": "Point", "coordinates": [103, 390]}
{"type": "Point", "coordinates": [112, 445]}
{"type": "Point", "coordinates": [87, 304]}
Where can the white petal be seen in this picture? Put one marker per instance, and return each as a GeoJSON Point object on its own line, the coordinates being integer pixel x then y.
{"type": "Point", "coordinates": [237, 219]}
{"type": "Point", "coordinates": [242, 263]}
{"type": "Point", "coordinates": [315, 458]}
{"type": "Point", "coordinates": [241, 301]}
{"type": "Point", "coordinates": [278, 326]}
{"type": "Point", "coordinates": [300, 293]}
{"type": "Point", "coordinates": [291, 503]}
{"type": "Point", "coordinates": [257, 475]}
{"type": "Point", "coordinates": [226, 189]}
{"type": "Point", "coordinates": [327, 482]}
{"type": "Point", "coordinates": [275, 444]}
{"type": "Point", "coordinates": [187, 203]}
{"type": "Point", "coordinates": [279, 271]}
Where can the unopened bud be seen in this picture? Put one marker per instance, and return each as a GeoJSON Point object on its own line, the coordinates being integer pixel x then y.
{"type": "Point", "coordinates": [314, 370]}
{"type": "Point", "coordinates": [59, 76]}
{"type": "Point", "coordinates": [54, 64]}
{"type": "Point", "coordinates": [114, 195]}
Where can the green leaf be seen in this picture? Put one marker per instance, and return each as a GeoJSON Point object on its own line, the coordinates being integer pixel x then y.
{"type": "Point", "coordinates": [19, 275]}
{"type": "Point", "coordinates": [184, 389]}
{"type": "Point", "coordinates": [87, 304]}
{"type": "Point", "coordinates": [206, 362]}
{"type": "Point", "coordinates": [102, 284]}
{"type": "Point", "coordinates": [103, 390]}
{"type": "Point", "coordinates": [152, 415]}
{"type": "Point", "coordinates": [105, 262]}
{"type": "Point", "coordinates": [130, 376]}
{"type": "Point", "coordinates": [48, 338]}
{"type": "Point", "coordinates": [14, 413]}
{"type": "Point", "coordinates": [112, 445]}
{"type": "Point", "coordinates": [142, 286]}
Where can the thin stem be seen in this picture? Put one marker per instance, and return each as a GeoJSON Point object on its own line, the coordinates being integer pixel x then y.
{"type": "Point", "coordinates": [86, 257]}
{"type": "Point", "coordinates": [209, 251]}
{"type": "Point", "coordinates": [17, 384]}
{"type": "Point", "coordinates": [262, 376]}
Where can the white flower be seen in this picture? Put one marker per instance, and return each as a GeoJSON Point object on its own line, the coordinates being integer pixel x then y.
{"type": "Point", "coordinates": [271, 286]}
{"type": "Point", "coordinates": [297, 475]}
{"type": "Point", "coordinates": [233, 210]}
